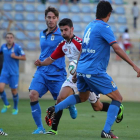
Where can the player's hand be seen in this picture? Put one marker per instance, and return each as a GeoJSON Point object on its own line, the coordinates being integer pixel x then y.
{"type": "Point", "coordinates": [74, 78]}
{"type": "Point", "coordinates": [37, 62]}
{"type": "Point", "coordinates": [13, 55]}
{"type": "Point", "coordinates": [137, 70]}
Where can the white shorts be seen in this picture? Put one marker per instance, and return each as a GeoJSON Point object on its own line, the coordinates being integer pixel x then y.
{"type": "Point", "coordinates": [92, 97]}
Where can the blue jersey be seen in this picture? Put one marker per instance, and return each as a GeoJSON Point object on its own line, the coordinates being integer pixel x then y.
{"type": "Point", "coordinates": [48, 44]}
{"type": "Point", "coordinates": [98, 37]}
{"type": "Point", "coordinates": [11, 65]}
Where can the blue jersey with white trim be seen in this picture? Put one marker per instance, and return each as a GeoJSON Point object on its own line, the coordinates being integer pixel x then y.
{"type": "Point", "coordinates": [98, 37]}
{"type": "Point", "coordinates": [48, 44]}
{"type": "Point", "coordinates": [11, 65]}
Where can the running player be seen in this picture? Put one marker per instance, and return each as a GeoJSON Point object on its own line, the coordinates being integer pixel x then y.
{"type": "Point", "coordinates": [10, 71]}
{"type": "Point", "coordinates": [47, 77]}
{"type": "Point", "coordinates": [70, 46]}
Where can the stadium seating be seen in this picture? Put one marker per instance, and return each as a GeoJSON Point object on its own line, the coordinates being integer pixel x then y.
{"type": "Point", "coordinates": [86, 9]}
{"type": "Point", "coordinates": [19, 17]}
{"type": "Point", "coordinates": [41, 26]}
{"type": "Point", "coordinates": [7, 7]}
{"type": "Point", "coordinates": [30, 27]}
{"type": "Point", "coordinates": [76, 18]}
{"type": "Point", "coordinates": [30, 17]}
{"type": "Point", "coordinates": [20, 36]}
{"type": "Point", "coordinates": [63, 8]}
{"type": "Point", "coordinates": [19, 7]}
{"type": "Point", "coordinates": [31, 46]}
{"type": "Point", "coordinates": [30, 8]}
{"type": "Point", "coordinates": [75, 9]}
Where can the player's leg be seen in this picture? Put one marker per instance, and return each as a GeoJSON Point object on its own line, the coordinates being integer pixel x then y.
{"type": "Point", "coordinates": [37, 89]}
{"type": "Point", "coordinates": [97, 105]}
{"type": "Point", "coordinates": [15, 100]}
{"type": "Point", "coordinates": [3, 81]}
{"type": "Point", "coordinates": [112, 113]}
{"type": "Point", "coordinates": [13, 83]}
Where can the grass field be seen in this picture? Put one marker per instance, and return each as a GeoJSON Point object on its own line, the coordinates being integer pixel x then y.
{"type": "Point", "coordinates": [87, 126]}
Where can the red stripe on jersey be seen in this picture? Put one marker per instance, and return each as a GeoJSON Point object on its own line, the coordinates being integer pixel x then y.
{"type": "Point", "coordinates": [112, 42]}
{"type": "Point", "coordinates": [58, 51]}
{"type": "Point", "coordinates": [77, 42]}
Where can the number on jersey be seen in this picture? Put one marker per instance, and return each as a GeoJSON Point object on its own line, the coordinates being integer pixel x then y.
{"type": "Point", "coordinates": [86, 37]}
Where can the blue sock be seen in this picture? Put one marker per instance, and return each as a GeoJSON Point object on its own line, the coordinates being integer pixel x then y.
{"type": "Point", "coordinates": [36, 113]}
{"type": "Point", "coordinates": [15, 99]}
{"type": "Point", "coordinates": [111, 115]}
{"type": "Point", "coordinates": [4, 98]}
{"type": "Point", "coordinates": [71, 100]}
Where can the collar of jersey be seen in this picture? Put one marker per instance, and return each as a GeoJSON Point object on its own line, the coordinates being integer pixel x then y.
{"type": "Point", "coordinates": [53, 31]}
{"type": "Point", "coordinates": [11, 47]}
{"type": "Point", "coordinates": [68, 42]}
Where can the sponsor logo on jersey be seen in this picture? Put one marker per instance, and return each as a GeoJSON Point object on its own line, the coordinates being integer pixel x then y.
{"type": "Point", "coordinates": [42, 36]}
{"type": "Point", "coordinates": [107, 26]}
{"type": "Point", "coordinates": [52, 37]}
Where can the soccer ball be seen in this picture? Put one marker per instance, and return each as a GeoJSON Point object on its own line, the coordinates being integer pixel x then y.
{"type": "Point", "coordinates": [72, 66]}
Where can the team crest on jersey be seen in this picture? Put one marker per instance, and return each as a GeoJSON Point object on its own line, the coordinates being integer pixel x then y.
{"type": "Point", "coordinates": [65, 50]}
{"type": "Point", "coordinates": [113, 84]}
{"type": "Point", "coordinates": [52, 37]}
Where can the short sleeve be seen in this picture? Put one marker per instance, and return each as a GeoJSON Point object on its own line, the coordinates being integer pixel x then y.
{"type": "Point", "coordinates": [20, 51]}
{"type": "Point", "coordinates": [108, 35]}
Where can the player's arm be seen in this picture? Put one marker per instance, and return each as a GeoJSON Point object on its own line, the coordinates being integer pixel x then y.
{"type": "Point", "coordinates": [125, 57]}
{"type": "Point", "coordinates": [22, 57]}
{"type": "Point", "coordinates": [55, 55]}
{"type": "Point", "coordinates": [46, 62]}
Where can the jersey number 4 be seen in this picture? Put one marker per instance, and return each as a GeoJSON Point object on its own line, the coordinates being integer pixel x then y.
{"type": "Point", "coordinates": [86, 37]}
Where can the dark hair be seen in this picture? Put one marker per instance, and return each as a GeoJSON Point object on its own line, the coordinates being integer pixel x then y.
{"type": "Point", "coordinates": [52, 9]}
{"type": "Point", "coordinates": [9, 34]}
{"type": "Point", "coordinates": [66, 21]}
{"type": "Point", "coordinates": [135, 3]}
{"type": "Point", "coordinates": [126, 30]}
{"type": "Point", "coordinates": [103, 9]}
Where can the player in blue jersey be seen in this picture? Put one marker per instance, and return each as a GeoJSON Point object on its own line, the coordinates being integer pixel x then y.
{"type": "Point", "coordinates": [47, 77]}
{"type": "Point", "coordinates": [91, 69]}
{"type": "Point", "coordinates": [10, 71]}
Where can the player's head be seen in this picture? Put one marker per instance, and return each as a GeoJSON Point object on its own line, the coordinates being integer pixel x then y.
{"type": "Point", "coordinates": [10, 38]}
{"type": "Point", "coordinates": [51, 17]}
{"type": "Point", "coordinates": [66, 27]}
{"type": "Point", "coordinates": [104, 10]}
{"type": "Point", "coordinates": [134, 3]}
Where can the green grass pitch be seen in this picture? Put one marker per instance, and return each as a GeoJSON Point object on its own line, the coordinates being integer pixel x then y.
{"type": "Point", "coordinates": [87, 126]}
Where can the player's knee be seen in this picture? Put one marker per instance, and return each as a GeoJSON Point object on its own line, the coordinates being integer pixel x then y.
{"type": "Point", "coordinates": [97, 108]}
{"type": "Point", "coordinates": [33, 95]}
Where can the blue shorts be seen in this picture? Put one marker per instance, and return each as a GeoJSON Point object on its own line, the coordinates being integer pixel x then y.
{"type": "Point", "coordinates": [99, 83]}
{"type": "Point", "coordinates": [12, 80]}
{"type": "Point", "coordinates": [41, 84]}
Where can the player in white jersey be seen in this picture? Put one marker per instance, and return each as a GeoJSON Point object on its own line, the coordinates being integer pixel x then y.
{"type": "Point", "coordinates": [70, 46]}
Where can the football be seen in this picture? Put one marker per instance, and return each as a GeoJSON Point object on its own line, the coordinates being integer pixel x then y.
{"type": "Point", "coordinates": [72, 67]}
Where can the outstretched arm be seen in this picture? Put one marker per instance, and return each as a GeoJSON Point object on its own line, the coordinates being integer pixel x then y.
{"type": "Point", "coordinates": [125, 57]}
{"type": "Point", "coordinates": [46, 62]}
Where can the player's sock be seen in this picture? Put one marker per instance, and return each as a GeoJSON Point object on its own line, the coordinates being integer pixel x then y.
{"type": "Point", "coordinates": [105, 106]}
{"type": "Point", "coordinates": [36, 113]}
{"type": "Point", "coordinates": [111, 115]}
{"type": "Point", "coordinates": [4, 98]}
{"type": "Point", "coordinates": [56, 120]}
{"type": "Point", "coordinates": [15, 99]}
{"type": "Point", "coordinates": [70, 100]}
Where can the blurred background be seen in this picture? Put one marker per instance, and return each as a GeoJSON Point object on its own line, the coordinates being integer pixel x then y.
{"type": "Point", "coordinates": [25, 18]}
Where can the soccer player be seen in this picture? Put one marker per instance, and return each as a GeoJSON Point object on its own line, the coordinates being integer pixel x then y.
{"type": "Point", "coordinates": [10, 71]}
{"type": "Point", "coordinates": [2, 132]}
{"type": "Point", "coordinates": [91, 69]}
{"type": "Point", "coordinates": [47, 77]}
{"type": "Point", "coordinates": [70, 46]}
